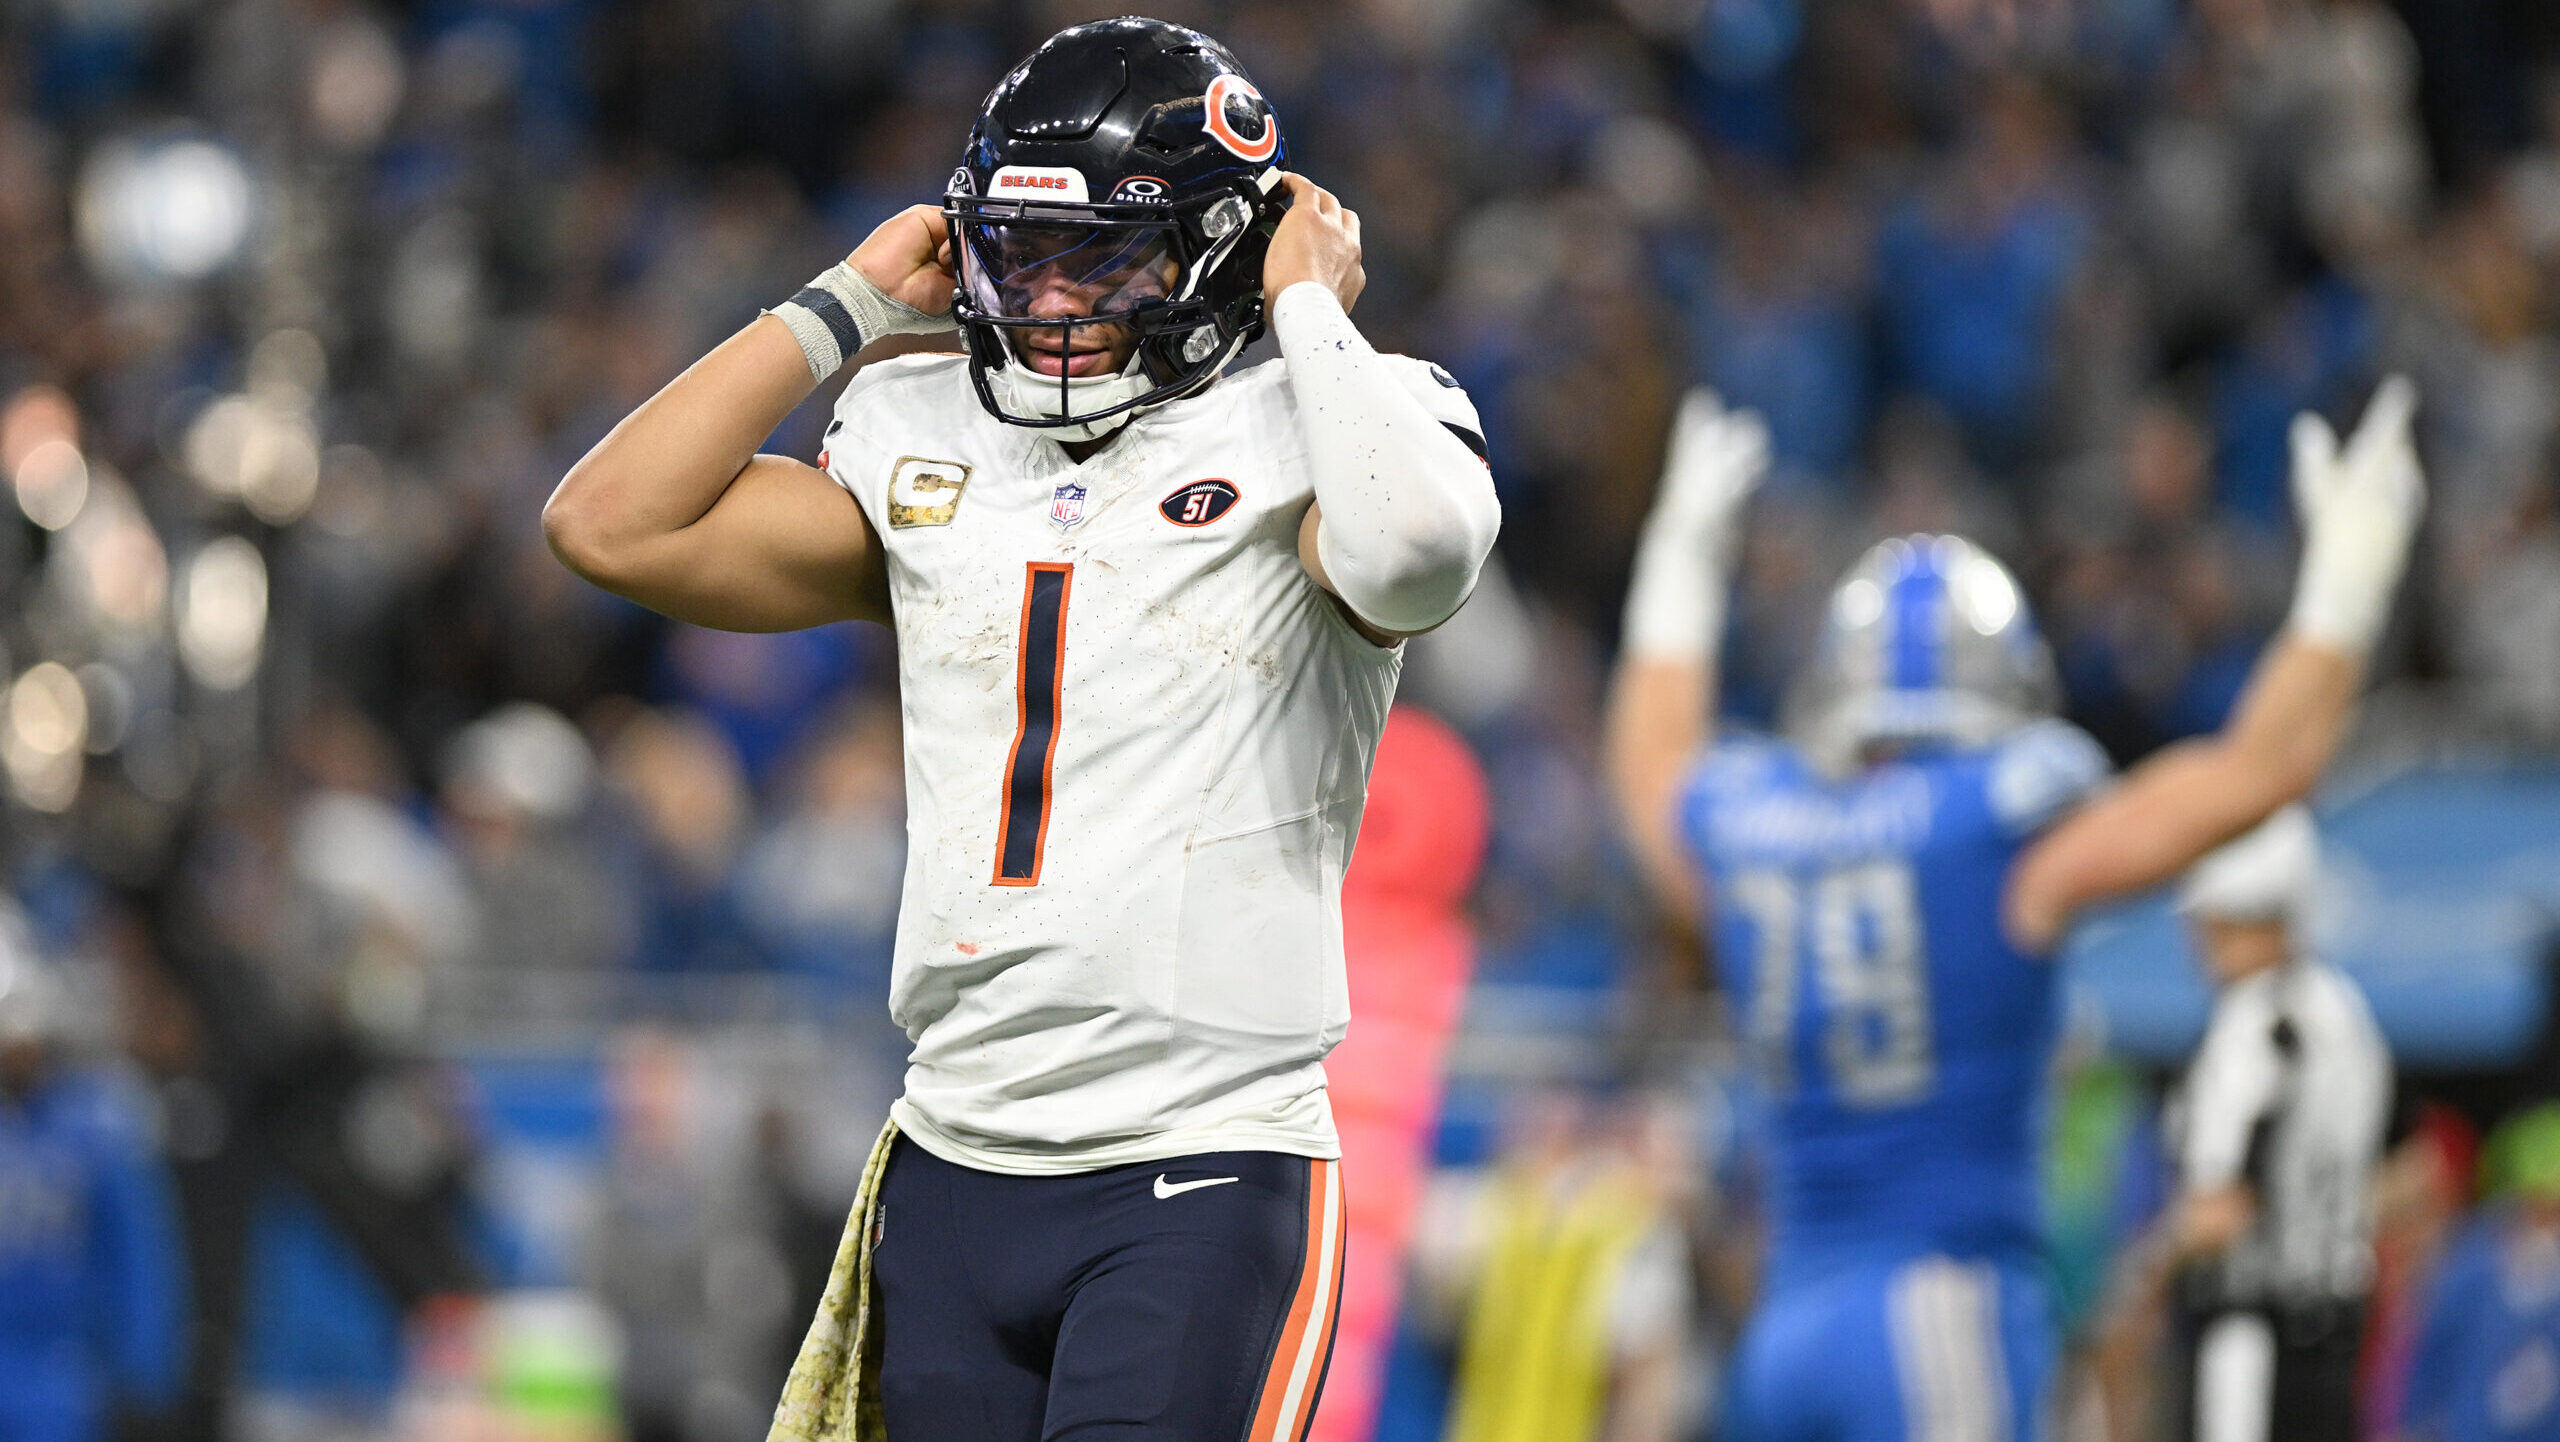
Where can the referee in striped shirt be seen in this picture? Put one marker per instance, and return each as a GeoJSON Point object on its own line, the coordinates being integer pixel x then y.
{"type": "Point", "coordinates": [2276, 1132]}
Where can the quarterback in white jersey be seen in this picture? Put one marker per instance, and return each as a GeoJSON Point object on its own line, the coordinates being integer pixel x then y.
{"type": "Point", "coordinates": [1149, 618]}
{"type": "Point", "coordinates": [1139, 740]}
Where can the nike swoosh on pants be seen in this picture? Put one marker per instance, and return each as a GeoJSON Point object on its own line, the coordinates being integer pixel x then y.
{"type": "Point", "coordinates": [1166, 1189]}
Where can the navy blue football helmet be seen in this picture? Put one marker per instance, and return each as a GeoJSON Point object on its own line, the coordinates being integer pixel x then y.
{"type": "Point", "coordinates": [1128, 173]}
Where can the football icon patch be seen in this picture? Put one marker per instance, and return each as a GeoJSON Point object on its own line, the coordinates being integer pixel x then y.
{"type": "Point", "coordinates": [1200, 502]}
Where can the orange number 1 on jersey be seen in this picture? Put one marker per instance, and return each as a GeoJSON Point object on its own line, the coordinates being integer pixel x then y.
{"type": "Point", "coordinates": [1023, 831]}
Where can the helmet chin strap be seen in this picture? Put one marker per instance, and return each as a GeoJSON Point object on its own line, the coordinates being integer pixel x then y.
{"type": "Point", "coordinates": [1027, 393]}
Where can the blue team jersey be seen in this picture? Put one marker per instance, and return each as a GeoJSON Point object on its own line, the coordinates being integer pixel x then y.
{"type": "Point", "coordinates": [1903, 1041]}
{"type": "Point", "coordinates": [92, 1276]}
{"type": "Point", "coordinates": [2483, 1367]}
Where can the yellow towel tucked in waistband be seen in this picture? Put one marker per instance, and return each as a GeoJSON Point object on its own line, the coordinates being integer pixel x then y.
{"type": "Point", "coordinates": [833, 1393]}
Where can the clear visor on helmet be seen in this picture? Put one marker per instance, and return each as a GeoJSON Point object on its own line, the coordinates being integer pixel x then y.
{"type": "Point", "coordinates": [1062, 271]}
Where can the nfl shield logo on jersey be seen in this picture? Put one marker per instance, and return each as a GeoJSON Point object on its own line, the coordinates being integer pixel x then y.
{"type": "Point", "coordinates": [1066, 503]}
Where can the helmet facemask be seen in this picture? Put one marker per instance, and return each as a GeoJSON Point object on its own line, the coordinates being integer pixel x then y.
{"type": "Point", "coordinates": [1046, 279]}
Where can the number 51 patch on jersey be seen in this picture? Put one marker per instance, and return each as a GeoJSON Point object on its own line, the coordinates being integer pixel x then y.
{"type": "Point", "coordinates": [925, 493]}
{"type": "Point", "coordinates": [1199, 503]}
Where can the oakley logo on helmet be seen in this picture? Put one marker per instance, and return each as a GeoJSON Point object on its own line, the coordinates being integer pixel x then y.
{"type": "Point", "coordinates": [1039, 182]}
{"type": "Point", "coordinates": [1231, 99]}
{"type": "Point", "coordinates": [960, 183]}
{"type": "Point", "coordinates": [1142, 190]}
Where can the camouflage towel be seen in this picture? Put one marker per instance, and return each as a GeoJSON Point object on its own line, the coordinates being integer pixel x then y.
{"type": "Point", "coordinates": [833, 1394]}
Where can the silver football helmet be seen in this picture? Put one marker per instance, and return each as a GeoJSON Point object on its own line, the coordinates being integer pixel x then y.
{"type": "Point", "coordinates": [1927, 640]}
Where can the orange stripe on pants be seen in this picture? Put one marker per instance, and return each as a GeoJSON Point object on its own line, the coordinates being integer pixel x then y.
{"type": "Point", "coordinates": [1297, 1365]}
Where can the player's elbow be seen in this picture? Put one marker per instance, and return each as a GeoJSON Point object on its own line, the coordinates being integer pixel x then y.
{"type": "Point", "coordinates": [569, 528]}
{"type": "Point", "coordinates": [576, 524]}
{"type": "Point", "coordinates": [1412, 577]}
{"type": "Point", "coordinates": [1412, 583]}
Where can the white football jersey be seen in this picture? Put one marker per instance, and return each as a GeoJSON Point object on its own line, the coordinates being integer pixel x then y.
{"type": "Point", "coordinates": [1138, 740]}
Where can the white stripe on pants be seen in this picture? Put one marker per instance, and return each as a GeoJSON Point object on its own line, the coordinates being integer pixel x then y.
{"type": "Point", "coordinates": [1944, 1319]}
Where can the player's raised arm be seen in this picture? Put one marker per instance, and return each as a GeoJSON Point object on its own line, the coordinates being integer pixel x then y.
{"type": "Point", "coordinates": [2359, 507]}
{"type": "Point", "coordinates": [675, 510]}
{"type": "Point", "coordinates": [1662, 698]}
{"type": "Point", "coordinates": [1405, 512]}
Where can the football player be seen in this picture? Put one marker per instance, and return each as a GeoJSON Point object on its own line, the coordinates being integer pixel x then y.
{"type": "Point", "coordinates": [1148, 617]}
{"type": "Point", "coordinates": [1889, 879]}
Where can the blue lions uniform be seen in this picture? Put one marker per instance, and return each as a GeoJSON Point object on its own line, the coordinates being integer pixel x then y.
{"type": "Point", "coordinates": [91, 1274]}
{"type": "Point", "coordinates": [1904, 1044]}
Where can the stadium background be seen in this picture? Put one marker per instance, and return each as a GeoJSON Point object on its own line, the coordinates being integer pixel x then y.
{"type": "Point", "coordinates": [450, 928]}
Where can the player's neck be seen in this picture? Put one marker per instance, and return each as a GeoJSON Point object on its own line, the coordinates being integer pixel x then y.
{"type": "Point", "coordinates": [1083, 451]}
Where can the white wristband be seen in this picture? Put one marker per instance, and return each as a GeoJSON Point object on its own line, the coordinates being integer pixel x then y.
{"type": "Point", "coordinates": [1684, 557]}
{"type": "Point", "coordinates": [1676, 596]}
{"type": "Point", "coordinates": [841, 311]}
{"type": "Point", "coordinates": [2342, 599]}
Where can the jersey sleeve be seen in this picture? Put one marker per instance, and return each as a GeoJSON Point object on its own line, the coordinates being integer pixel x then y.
{"type": "Point", "coordinates": [2231, 1088]}
{"type": "Point", "coordinates": [844, 451]}
{"type": "Point", "coordinates": [1441, 396]}
{"type": "Point", "coordinates": [855, 452]}
{"type": "Point", "coordinates": [2041, 772]}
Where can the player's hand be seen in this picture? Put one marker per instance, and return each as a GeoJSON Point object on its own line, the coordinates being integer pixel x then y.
{"type": "Point", "coordinates": [909, 258]}
{"type": "Point", "coordinates": [1684, 555]}
{"type": "Point", "coordinates": [1318, 240]}
{"type": "Point", "coordinates": [1716, 459]}
{"type": "Point", "coordinates": [2359, 505]}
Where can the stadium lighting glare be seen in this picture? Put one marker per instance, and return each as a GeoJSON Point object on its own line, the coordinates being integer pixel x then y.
{"type": "Point", "coordinates": [47, 730]}
{"type": "Point", "coordinates": [289, 367]}
{"type": "Point", "coordinates": [357, 79]}
{"type": "Point", "coordinates": [166, 210]}
{"type": "Point", "coordinates": [1991, 600]}
{"type": "Point", "coordinates": [34, 416]}
{"type": "Point", "coordinates": [261, 450]}
{"type": "Point", "coordinates": [222, 614]}
{"type": "Point", "coordinates": [113, 560]}
{"type": "Point", "coordinates": [217, 441]}
{"type": "Point", "coordinates": [1860, 603]}
{"type": "Point", "coordinates": [52, 484]}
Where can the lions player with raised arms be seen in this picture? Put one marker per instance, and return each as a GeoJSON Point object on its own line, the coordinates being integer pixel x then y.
{"type": "Point", "coordinates": [1888, 880]}
{"type": "Point", "coordinates": [1148, 617]}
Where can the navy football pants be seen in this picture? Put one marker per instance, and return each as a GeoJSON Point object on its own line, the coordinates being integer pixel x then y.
{"type": "Point", "coordinates": [1189, 1300]}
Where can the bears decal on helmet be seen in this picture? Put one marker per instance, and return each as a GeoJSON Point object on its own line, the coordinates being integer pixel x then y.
{"type": "Point", "coordinates": [1230, 99]}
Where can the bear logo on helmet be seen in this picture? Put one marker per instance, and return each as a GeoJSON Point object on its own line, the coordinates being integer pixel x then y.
{"type": "Point", "coordinates": [1233, 99]}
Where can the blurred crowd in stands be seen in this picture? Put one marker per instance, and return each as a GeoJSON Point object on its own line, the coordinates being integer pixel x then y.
{"type": "Point", "coordinates": [362, 833]}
